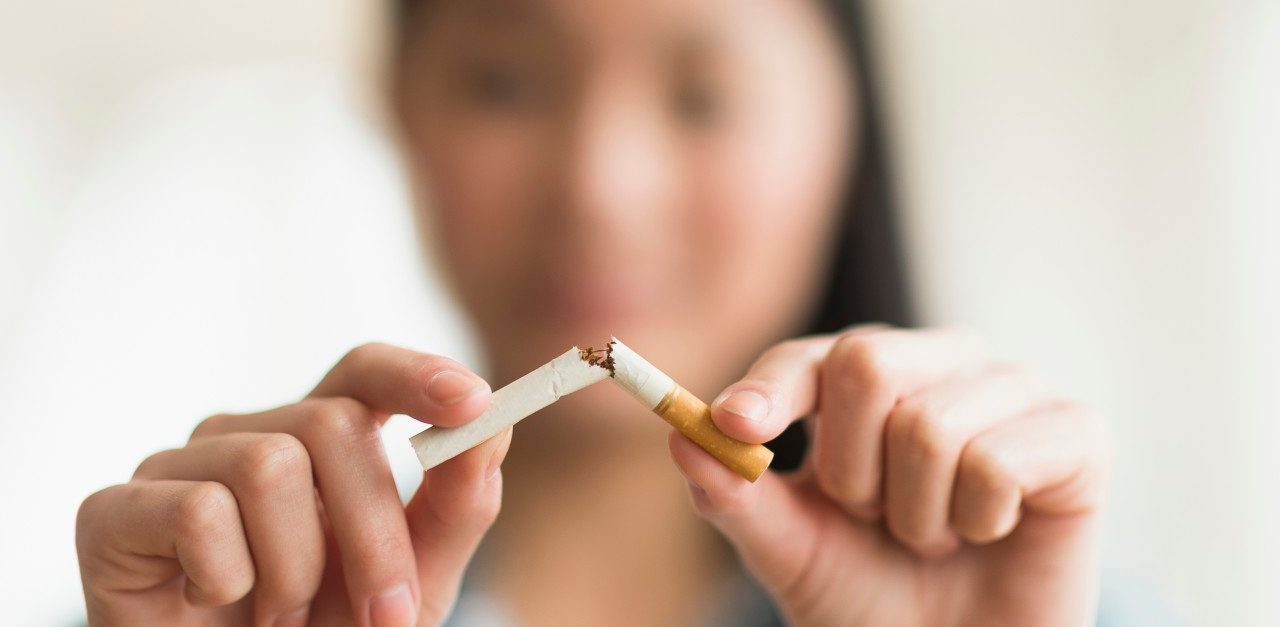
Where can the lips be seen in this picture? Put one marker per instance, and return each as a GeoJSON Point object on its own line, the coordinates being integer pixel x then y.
{"type": "Point", "coordinates": [597, 300]}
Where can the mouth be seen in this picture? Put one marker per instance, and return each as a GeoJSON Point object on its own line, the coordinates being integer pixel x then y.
{"type": "Point", "coordinates": [595, 302]}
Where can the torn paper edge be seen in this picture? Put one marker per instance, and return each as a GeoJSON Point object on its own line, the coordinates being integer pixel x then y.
{"type": "Point", "coordinates": [638, 376]}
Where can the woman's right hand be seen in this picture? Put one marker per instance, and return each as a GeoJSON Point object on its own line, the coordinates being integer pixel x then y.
{"type": "Point", "coordinates": [291, 517]}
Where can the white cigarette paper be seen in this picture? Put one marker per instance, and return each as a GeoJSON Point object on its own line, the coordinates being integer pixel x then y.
{"type": "Point", "coordinates": [565, 374]}
{"type": "Point", "coordinates": [577, 369]}
{"type": "Point", "coordinates": [632, 372]}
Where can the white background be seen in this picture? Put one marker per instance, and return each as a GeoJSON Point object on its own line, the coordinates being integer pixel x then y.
{"type": "Point", "coordinates": [198, 213]}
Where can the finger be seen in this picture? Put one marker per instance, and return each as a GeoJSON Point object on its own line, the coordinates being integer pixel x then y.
{"type": "Point", "coordinates": [774, 531]}
{"type": "Point", "coordinates": [862, 378]}
{"type": "Point", "coordinates": [270, 476]}
{"type": "Point", "coordinates": [392, 380]}
{"type": "Point", "coordinates": [193, 525]}
{"type": "Point", "coordinates": [781, 386]}
{"type": "Point", "coordinates": [359, 495]}
{"type": "Point", "coordinates": [924, 437]}
{"type": "Point", "coordinates": [456, 504]}
{"type": "Point", "coordinates": [1051, 461]}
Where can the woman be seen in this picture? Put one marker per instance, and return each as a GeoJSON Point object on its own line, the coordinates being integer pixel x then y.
{"type": "Point", "coordinates": [676, 174]}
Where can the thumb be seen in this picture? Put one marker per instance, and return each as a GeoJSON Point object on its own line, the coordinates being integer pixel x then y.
{"type": "Point", "coordinates": [449, 515]}
{"type": "Point", "coordinates": [772, 526]}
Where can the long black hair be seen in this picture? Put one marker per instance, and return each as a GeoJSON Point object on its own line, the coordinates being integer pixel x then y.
{"type": "Point", "coordinates": [866, 280]}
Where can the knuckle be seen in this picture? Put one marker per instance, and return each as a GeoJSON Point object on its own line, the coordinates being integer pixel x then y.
{"type": "Point", "coordinates": [93, 510]}
{"type": "Point", "coordinates": [362, 354]}
{"type": "Point", "coordinates": [148, 467]}
{"type": "Point", "coordinates": [210, 425]}
{"type": "Point", "coordinates": [986, 470]}
{"type": "Point", "coordinates": [340, 419]}
{"type": "Point", "coordinates": [861, 359]}
{"type": "Point", "coordinates": [204, 510]}
{"type": "Point", "coordinates": [378, 549]}
{"type": "Point", "coordinates": [923, 431]}
{"type": "Point", "coordinates": [270, 460]}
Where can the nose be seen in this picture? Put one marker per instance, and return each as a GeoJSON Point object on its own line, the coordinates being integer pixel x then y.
{"type": "Point", "coordinates": [621, 166]}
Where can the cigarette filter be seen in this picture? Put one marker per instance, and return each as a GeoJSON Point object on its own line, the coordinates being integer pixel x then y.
{"type": "Point", "coordinates": [684, 411]}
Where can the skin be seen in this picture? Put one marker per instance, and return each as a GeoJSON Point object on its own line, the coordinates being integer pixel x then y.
{"type": "Point", "coordinates": [226, 530]}
{"type": "Point", "coordinates": [667, 172]}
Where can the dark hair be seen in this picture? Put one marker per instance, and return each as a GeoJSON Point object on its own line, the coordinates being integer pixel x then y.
{"type": "Point", "coordinates": [865, 279]}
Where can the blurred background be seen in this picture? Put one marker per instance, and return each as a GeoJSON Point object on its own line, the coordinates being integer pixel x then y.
{"type": "Point", "coordinates": [200, 211]}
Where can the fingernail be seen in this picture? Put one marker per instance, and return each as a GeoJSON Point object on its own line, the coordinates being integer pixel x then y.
{"type": "Point", "coordinates": [450, 387]}
{"type": "Point", "coordinates": [393, 608]}
{"type": "Point", "coordinates": [748, 404]}
{"type": "Point", "coordinates": [296, 618]}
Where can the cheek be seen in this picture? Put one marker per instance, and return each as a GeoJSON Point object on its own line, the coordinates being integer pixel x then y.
{"type": "Point", "coordinates": [481, 181]}
{"type": "Point", "coordinates": [768, 183]}
{"type": "Point", "coordinates": [768, 196]}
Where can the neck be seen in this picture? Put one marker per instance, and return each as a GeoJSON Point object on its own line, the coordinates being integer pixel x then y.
{"type": "Point", "coordinates": [599, 527]}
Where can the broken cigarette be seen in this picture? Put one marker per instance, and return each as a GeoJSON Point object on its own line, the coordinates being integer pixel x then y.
{"type": "Point", "coordinates": [684, 411]}
{"type": "Point", "coordinates": [578, 368]}
{"type": "Point", "coordinates": [517, 400]}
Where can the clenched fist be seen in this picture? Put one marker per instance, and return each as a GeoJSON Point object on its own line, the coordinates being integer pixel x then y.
{"type": "Point", "coordinates": [941, 488]}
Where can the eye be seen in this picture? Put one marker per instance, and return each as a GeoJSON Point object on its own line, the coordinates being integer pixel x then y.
{"type": "Point", "coordinates": [500, 87]}
{"type": "Point", "coordinates": [697, 105]}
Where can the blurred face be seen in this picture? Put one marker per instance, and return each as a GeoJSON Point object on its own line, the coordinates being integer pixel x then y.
{"type": "Point", "coordinates": [661, 170]}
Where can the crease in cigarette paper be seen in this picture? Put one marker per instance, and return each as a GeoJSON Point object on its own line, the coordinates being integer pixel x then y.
{"type": "Point", "coordinates": [557, 383]}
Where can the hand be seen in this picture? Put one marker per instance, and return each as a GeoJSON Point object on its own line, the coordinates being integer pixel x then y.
{"type": "Point", "coordinates": [291, 517]}
{"type": "Point", "coordinates": [940, 488]}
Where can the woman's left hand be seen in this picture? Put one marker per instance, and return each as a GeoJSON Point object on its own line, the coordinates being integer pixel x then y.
{"type": "Point", "coordinates": [940, 487]}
